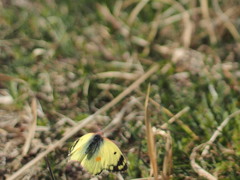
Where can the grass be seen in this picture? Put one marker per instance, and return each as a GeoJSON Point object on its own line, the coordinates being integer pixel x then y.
{"type": "Point", "coordinates": [73, 58]}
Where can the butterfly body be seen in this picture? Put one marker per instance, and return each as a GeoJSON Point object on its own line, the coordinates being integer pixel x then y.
{"type": "Point", "coordinates": [97, 153]}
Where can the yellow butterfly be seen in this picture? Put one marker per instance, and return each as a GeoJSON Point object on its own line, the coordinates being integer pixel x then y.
{"type": "Point", "coordinates": [97, 153]}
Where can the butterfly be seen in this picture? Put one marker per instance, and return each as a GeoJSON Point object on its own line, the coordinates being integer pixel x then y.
{"type": "Point", "coordinates": [96, 153]}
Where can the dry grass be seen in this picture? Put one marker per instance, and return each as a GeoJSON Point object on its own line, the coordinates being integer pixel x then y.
{"type": "Point", "coordinates": [67, 68]}
{"type": "Point", "coordinates": [150, 138]}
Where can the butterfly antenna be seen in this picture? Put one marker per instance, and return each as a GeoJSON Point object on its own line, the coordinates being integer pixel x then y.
{"type": "Point", "coordinates": [49, 168]}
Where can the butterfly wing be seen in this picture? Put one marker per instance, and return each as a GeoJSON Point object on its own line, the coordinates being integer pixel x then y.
{"type": "Point", "coordinates": [113, 159]}
{"type": "Point", "coordinates": [96, 154]}
{"type": "Point", "coordinates": [77, 151]}
{"type": "Point", "coordinates": [109, 157]}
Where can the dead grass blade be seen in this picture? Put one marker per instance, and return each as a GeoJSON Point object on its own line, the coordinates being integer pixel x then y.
{"type": "Point", "coordinates": [117, 8]}
{"type": "Point", "coordinates": [185, 127]}
{"type": "Point", "coordinates": [84, 122]}
{"type": "Point", "coordinates": [32, 127]}
{"type": "Point", "coordinates": [117, 24]}
{"type": "Point", "coordinates": [188, 30]}
{"type": "Point", "coordinates": [150, 138]}
{"type": "Point", "coordinates": [198, 169]}
{"type": "Point", "coordinates": [106, 86]}
{"type": "Point", "coordinates": [175, 117]}
{"type": "Point", "coordinates": [67, 119]}
{"type": "Point", "coordinates": [136, 11]}
{"type": "Point", "coordinates": [4, 77]}
{"type": "Point", "coordinates": [153, 32]}
{"type": "Point", "coordinates": [208, 23]}
{"type": "Point", "coordinates": [119, 176]}
{"type": "Point", "coordinates": [232, 29]}
{"type": "Point", "coordinates": [116, 74]}
{"type": "Point", "coordinates": [218, 132]}
{"type": "Point", "coordinates": [116, 122]}
{"type": "Point", "coordinates": [167, 163]}
{"type": "Point", "coordinates": [147, 178]}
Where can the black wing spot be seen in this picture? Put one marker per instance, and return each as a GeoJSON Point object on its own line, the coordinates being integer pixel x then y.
{"type": "Point", "coordinates": [94, 146]}
{"type": "Point", "coordinates": [115, 152]}
{"type": "Point", "coordinates": [121, 162]}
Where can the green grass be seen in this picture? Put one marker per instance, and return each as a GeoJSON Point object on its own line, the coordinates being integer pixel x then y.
{"type": "Point", "coordinates": [58, 48]}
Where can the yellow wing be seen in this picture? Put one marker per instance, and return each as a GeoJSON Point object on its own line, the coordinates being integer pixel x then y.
{"type": "Point", "coordinates": [109, 157]}
{"type": "Point", "coordinates": [77, 151]}
{"type": "Point", "coordinates": [96, 157]}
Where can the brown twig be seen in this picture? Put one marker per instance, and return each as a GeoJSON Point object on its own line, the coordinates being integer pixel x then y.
{"type": "Point", "coordinates": [84, 122]}
{"type": "Point", "coordinates": [32, 127]}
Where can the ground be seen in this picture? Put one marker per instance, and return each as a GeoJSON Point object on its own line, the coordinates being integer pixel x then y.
{"type": "Point", "coordinates": [62, 62]}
